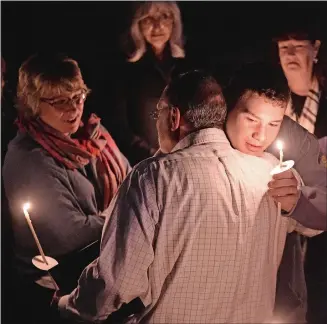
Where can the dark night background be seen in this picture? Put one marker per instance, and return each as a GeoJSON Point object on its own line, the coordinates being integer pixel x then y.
{"type": "Point", "coordinates": [229, 33]}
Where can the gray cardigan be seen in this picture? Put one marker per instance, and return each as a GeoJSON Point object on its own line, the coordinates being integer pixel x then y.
{"type": "Point", "coordinates": [64, 209]}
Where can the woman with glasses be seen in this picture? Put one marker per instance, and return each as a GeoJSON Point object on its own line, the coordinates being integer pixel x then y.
{"type": "Point", "coordinates": [156, 35]}
{"type": "Point", "coordinates": [67, 167]}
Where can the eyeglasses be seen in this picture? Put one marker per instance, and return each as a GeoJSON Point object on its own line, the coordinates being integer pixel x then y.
{"type": "Point", "coordinates": [156, 113]}
{"type": "Point", "coordinates": [64, 103]}
{"type": "Point", "coordinates": [164, 19]}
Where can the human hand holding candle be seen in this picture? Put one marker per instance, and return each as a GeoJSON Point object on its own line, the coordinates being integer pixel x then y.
{"type": "Point", "coordinates": [283, 187]}
{"type": "Point", "coordinates": [45, 263]}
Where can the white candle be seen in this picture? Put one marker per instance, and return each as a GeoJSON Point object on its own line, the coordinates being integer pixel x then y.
{"type": "Point", "coordinates": [281, 154]}
{"type": "Point", "coordinates": [26, 207]}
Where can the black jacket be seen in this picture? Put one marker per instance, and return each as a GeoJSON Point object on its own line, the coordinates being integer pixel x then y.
{"type": "Point", "coordinates": [138, 92]}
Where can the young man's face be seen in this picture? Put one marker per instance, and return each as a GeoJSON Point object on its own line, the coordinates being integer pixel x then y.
{"type": "Point", "coordinates": [254, 123]}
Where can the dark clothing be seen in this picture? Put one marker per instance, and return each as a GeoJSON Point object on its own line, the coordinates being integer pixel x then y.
{"type": "Point", "coordinates": [297, 103]}
{"type": "Point", "coordinates": [316, 279]}
{"type": "Point", "coordinates": [30, 304]}
{"type": "Point", "coordinates": [316, 256]}
{"type": "Point", "coordinates": [291, 291]}
{"type": "Point", "coordinates": [321, 123]}
{"type": "Point", "coordinates": [8, 132]}
{"type": "Point", "coordinates": [137, 96]}
{"type": "Point", "coordinates": [8, 116]}
{"type": "Point", "coordinates": [303, 148]}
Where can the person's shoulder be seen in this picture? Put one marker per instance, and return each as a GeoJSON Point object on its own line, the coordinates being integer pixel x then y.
{"type": "Point", "coordinates": [266, 160]}
{"type": "Point", "coordinates": [26, 155]}
{"type": "Point", "coordinates": [299, 142]}
{"type": "Point", "coordinates": [292, 130]}
{"type": "Point", "coordinates": [146, 166]}
{"type": "Point", "coordinates": [22, 145]}
{"type": "Point", "coordinates": [156, 164]}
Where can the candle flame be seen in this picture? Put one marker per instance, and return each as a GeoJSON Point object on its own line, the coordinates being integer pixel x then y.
{"type": "Point", "coordinates": [26, 206]}
{"type": "Point", "coordinates": [280, 145]}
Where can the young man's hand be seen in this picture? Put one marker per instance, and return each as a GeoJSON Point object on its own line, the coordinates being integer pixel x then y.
{"type": "Point", "coordinates": [284, 188]}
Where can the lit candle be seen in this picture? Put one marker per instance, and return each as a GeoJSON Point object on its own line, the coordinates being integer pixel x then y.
{"type": "Point", "coordinates": [281, 154]}
{"type": "Point", "coordinates": [26, 207]}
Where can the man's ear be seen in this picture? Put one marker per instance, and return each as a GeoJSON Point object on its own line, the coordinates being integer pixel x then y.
{"type": "Point", "coordinates": [174, 118]}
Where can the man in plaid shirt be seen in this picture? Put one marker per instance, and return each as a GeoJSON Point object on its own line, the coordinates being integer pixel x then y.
{"type": "Point", "coordinates": [192, 234]}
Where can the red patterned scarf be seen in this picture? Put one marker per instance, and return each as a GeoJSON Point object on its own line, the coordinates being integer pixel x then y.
{"type": "Point", "coordinates": [92, 141]}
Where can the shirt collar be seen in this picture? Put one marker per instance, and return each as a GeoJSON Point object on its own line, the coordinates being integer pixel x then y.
{"type": "Point", "coordinates": [202, 136]}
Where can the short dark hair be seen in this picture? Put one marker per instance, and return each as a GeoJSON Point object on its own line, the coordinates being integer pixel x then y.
{"type": "Point", "coordinates": [302, 31]}
{"type": "Point", "coordinates": [259, 78]}
{"type": "Point", "coordinates": [199, 98]}
{"type": "Point", "coordinates": [296, 29]}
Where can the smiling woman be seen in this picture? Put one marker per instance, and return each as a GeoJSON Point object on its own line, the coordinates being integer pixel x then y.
{"type": "Point", "coordinates": [156, 32]}
{"type": "Point", "coordinates": [156, 24]}
{"type": "Point", "coordinates": [56, 95]}
{"type": "Point", "coordinates": [71, 171]}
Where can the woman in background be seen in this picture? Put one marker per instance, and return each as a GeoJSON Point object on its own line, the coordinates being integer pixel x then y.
{"type": "Point", "coordinates": [156, 32]}
{"type": "Point", "coordinates": [301, 58]}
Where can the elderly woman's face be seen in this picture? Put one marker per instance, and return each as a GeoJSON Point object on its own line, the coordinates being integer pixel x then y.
{"type": "Point", "coordinates": [157, 27]}
{"type": "Point", "coordinates": [297, 55]}
{"type": "Point", "coordinates": [63, 112]}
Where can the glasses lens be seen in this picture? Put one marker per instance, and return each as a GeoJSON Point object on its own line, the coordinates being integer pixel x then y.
{"type": "Point", "coordinates": [154, 114]}
{"type": "Point", "coordinates": [79, 98]}
{"type": "Point", "coordinates": [64, 104]}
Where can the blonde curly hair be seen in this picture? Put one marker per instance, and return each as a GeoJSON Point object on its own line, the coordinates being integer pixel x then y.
{"type": "Point", "coordinates": [46, 77]}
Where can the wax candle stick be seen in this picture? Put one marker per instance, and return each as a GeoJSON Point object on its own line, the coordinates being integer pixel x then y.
{"type": "Point", "coordinates": [26, 207]}
{"type": "Point", "coordinates": [281, 153]}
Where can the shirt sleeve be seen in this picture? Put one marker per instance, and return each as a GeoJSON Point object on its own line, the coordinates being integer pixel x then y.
{"type": "Point", "coordinates": [297, 227]}
{"type": "Point", "coordinates": [120, 274]}
{"type": "Point", "coordinates": [303, 148]}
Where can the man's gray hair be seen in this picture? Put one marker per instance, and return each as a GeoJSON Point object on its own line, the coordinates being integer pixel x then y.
{"type": "Point", "coordinates": [199, 99]}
